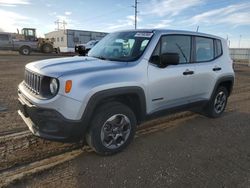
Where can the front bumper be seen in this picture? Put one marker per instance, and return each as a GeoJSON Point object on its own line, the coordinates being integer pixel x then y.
{"type": "Point", "coordinates": [80, 50]}
{"type": "Point", "coordinates": [49, 124]}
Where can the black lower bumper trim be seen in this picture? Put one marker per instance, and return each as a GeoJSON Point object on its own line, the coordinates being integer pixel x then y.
{"type": "Point", "coordinates": [50, 124]}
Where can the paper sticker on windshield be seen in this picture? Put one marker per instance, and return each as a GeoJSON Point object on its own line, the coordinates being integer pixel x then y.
{"type": "Point", "coordinates": [146, 35]}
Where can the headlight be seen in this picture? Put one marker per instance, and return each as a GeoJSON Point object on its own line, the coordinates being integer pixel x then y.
{"type": "Point", "coordinates": [53, 86]}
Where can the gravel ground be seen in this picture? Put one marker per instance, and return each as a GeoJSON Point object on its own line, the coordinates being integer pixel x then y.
{"type": "Point", "coordinates": [194, 152]}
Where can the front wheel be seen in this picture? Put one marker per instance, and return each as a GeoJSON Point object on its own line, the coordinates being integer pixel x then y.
{"type": "Point", "coordinates": [217, 103]}
{"type": "Point", "coordinates": [112, 128]}
{"type": "Point", "coordinates": [25, 50]}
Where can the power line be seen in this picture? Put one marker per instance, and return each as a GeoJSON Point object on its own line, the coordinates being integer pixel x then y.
{"type": "Point", "coordinates": [103, 16]}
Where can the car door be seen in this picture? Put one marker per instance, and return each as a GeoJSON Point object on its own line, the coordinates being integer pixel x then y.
{"type": "Point", "coordinates": [172, 85]}
{"type": "Point", "coordinates": [207, 57]}
{"type": "Point", "coordinates": [5, 42]}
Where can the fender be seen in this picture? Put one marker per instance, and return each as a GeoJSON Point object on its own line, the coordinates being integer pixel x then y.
{"type": "Point", "coordinates": [223, 79]}
{"type": "Point", "coordinates": [101, 95]}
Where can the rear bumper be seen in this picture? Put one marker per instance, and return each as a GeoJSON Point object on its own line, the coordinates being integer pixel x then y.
{"type": "Point", "coordinates": [50, 124]}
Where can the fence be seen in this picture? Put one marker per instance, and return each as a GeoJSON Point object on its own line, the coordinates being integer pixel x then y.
{"type": "Point", "coordinates": [240, 55]}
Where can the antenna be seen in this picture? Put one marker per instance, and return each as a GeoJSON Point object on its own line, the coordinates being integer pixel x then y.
{"type": "Point", "coordinates": [197, 30]}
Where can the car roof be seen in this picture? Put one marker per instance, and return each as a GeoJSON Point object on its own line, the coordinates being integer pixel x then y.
{"type": "Point", "coordinates": [4, 33]}
{"type": "Point", "coordinates": [170, 31]}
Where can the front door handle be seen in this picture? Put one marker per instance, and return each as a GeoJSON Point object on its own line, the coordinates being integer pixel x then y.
{"type": "Point", "coordinates": [188, 72]}
{"type": "Point", "coordinates": [216, 68]}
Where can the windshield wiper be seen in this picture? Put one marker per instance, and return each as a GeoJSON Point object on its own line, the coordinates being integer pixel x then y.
{"type": "Point", "coordinates": [105, 58]}
{"type": "Point", "coordinates": [100, 57]}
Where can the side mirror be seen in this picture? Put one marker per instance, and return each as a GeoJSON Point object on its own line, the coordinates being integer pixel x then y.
{"type": "Point", "coordinates": [169, 59]}
{"type": "Point", "coordinates": [155, 59]}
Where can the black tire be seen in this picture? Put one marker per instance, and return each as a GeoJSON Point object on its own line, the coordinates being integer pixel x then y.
{"type": "Point", "coordinates": [25, 50]}
{"type": "Point", "coordinates": [82, 51]}
{"type": "Point", "coordinates": [47, 48]}
{"type": "Point", "coordinates": [57, 50]}
{"type": "Point", "coordinates": [95, 136]}
{"type": "Point", "coordinates": [215, 108]}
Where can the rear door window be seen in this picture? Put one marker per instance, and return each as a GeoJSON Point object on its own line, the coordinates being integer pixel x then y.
{"type": "Point", "coordinates": [204, 49]}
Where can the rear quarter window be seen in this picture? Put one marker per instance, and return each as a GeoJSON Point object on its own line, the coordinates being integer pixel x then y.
{"type": "Point", "coordinates": [218, 48]}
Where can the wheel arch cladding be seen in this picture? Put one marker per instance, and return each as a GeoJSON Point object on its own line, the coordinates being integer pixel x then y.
{"type": "Point", "coordinates": [227, 82]}
{"type": "Point", "coordinates": [133, 97]}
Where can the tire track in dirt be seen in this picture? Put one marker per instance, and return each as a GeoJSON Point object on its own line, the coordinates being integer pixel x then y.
{"type": "Point", "coordinates": [23, 148]}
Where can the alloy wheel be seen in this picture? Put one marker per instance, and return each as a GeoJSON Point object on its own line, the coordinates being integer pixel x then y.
{"type": "Point", "coordinates": [115, 131]}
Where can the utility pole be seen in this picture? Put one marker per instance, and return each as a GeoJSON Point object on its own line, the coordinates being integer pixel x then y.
{"type": "Point", "coordinates": [60, 24]}
{"type": "Point", "coordinates": [228, 41]}
{"type": "Point", "coordinates": [240, 41]}
{"type": "Point", "coordinates": [136, 12]}
{"type": "Point", "coordinates": [57, 22]}
{"type": "Point", "coordinates": [64, 24]}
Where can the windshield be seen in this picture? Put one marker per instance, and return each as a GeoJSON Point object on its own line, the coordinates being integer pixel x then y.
{"type": "Point", "coordinates": [91, 42]}
{"type": "Point", "coordinates": [121, 46]}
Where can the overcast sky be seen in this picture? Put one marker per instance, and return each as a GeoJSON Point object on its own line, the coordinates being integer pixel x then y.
{"type": "Point", "coordinates": [226, 18]}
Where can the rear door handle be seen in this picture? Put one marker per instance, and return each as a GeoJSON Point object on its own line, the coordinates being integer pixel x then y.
{"type": "Point", "coordinates": [216, 69]}
{"type": "Point", "coordinates": [188, 72]}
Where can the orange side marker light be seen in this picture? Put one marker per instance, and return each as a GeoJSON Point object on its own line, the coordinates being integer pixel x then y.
{"type": "Point", "coordinates": [68, 86]}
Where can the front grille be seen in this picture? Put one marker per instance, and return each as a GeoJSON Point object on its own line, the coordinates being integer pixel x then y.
{"type": "Point", "coordinates": [33, 82]}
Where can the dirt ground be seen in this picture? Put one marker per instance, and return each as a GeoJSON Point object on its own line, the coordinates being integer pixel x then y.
{"type": "Point", "coordinates": [187, 151]}
{"type": "Point", "coordinates": [11, 74]}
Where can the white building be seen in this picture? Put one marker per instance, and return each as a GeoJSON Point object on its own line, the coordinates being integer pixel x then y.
{"type": "Point", "coordinates": [67, 39]}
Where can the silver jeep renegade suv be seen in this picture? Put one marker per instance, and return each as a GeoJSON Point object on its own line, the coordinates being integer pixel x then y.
{"type": "Point", "coordinates": [127, 78]}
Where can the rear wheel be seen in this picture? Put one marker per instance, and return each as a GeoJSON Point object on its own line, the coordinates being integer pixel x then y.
{"type": "Point", "coordinates": [25, 50]}
{"type": "Point", "coordinates": [112, 128]}
{"type": "Point", "coordinates": [218, 102]}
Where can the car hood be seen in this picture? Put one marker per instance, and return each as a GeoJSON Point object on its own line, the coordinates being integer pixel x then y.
{"type": "Point", "coordinates": [72, 65]}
